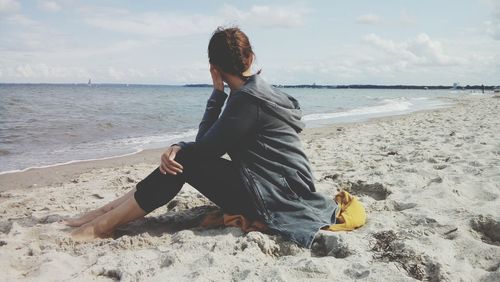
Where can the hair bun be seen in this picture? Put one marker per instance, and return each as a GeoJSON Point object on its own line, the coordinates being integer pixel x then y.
{"type": "Point", "coordinates": [230, 49]}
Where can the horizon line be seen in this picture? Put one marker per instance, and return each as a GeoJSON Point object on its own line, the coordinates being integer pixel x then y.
{"type": "Point", "coordinates": [282, 85]}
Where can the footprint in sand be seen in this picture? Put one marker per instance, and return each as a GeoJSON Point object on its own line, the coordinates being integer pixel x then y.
{"type": "Point", "coordinates": [123, 181]}
{"type": "Point", "coordinates": [487, 228]}
{"type": "Point", "coordinates": [327, 243]}
{"type": "Point", "coordinates": [358, 271]}
{"type": "Point", "coordinates": [5, 226]}
{"type": "Point", "coordinates": [30, 221]}
{"type": "Point", "coordinates": [375, 190]}
{"type": "Point", "coordinates": [439, 166]}
{"type": "Point", "coordinates": [387, 246]}
{"type": "Point", "coordinates": [114, 274]}
{"type": "Point", "coordinates": [401, 206]}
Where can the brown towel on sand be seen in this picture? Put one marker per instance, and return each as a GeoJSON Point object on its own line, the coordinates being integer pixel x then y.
{"type": "Point", "coordinates": [217, 218]}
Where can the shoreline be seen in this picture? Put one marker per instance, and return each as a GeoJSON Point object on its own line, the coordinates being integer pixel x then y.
{"type": "Point", "coordinates": [59, 173]}
{"type": "Point", "coordinates": [40, 156]}
{"type": "Point", "coordinates": [68, 163]}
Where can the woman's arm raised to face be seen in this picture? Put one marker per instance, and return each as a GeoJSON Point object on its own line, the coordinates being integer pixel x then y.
{"type": "Point", "coordinates": [217, 81]}
{"type": "Point", "coordinates": [214, 103]}
{"type": "Point", "coordinates": [212, 112]}
{"type": "Point", "coordinates": [237, 122]}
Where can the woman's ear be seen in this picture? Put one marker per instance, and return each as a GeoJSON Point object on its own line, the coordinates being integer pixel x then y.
{"type": "Point", "coordinates": [252, 58]}
{"type": "Point", "coordinates": [248, 62]}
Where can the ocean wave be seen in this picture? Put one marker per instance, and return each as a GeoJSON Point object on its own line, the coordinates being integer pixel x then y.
{"type": "Point", "coordinates": [139, 142]}
{"type": "Point", "coordinates": [388, 106]}
{"type": "Point", "coordinates": [121, 147]}
{"type": "Point", "coordinates": [68, 162]}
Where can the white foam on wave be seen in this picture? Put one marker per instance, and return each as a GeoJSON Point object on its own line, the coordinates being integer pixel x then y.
{"type": "Point", "coordinates": [388, 106]}
{"type": "Point", "coordinates": [68, 162]}
{"type": "Point", "coordinates": [137, 144]}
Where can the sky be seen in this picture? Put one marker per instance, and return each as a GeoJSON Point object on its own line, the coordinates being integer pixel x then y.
{"type": "Point", "coordinates": [420, 42]}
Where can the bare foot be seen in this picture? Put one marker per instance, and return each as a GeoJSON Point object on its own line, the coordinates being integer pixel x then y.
{"type": "Point", "coordinates": [93, 214]}
{"type": "Point", "coordinates": [86, 218]}
{"type": "Point", "coordinates": [88, 232]}
{"type": "Point", "coordinates": [103, 225]}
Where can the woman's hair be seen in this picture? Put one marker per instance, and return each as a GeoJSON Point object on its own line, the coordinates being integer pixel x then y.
{"type": "Point", "coordinates": [230, 50]}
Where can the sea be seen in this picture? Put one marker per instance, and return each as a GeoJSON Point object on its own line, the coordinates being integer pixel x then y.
{"type": "Point", "coordinates": [51, 124]}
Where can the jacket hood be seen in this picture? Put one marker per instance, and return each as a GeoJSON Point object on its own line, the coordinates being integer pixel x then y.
{"type": "Point", "coordinates": [282, 105]}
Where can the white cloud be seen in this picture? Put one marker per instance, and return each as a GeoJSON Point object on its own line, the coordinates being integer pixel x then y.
{"type": "Point", "coordinates": [404, 19]}
{"type": "Point", "coordinates": [170, 24]}
{"type": "Point", "coordinates": [420, 60]}
{"type": "Point", "coordinates": [125, 74]}
{"type": "Point", "coordinates": [48, 72]}
{"type": "Point", "coordinates": [132, 72]}
{"type": "Point", "coordinates": [267, 16]}
{"type": "Point", "coordinates": [50, 6]}
{"type": "Point", "coordinates": [41, 71]}
{"type": "Point", "coordinates": [419, 51]}
{"type": "Point", "coordinates": [25, 71]}
{"type": "Point", "coordinates": [9, 6]}
{"type": "Point", "coordinates": [369, 19]}
{"type": "Point", "coordinates": [140, 48]}
{"type": "Point", "coordinates": [18, 19]}
{"type": "Point", "coordinates": [115, 74]}
{"type": "Point", "coordinates": [22, 34]}
{"type": "Point", "coordinates": [32, 50]}
{"type": "Point", "coordinates": [152, 23]}
{"type": "Point", "coordinates": [492, 27]}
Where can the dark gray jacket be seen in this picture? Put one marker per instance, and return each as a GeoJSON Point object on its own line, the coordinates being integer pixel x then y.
{"type": "Point", "coordinates": [259, 130]}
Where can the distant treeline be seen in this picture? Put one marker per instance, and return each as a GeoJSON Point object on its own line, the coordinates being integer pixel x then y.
{"type": "Point", "coordinates": [198, 85]}
{"type": "Point", "coordinates": [371, 86]}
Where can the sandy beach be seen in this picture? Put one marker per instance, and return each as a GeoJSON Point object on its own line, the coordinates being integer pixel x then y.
{"type": "Point", "coordinates": [430, 182]}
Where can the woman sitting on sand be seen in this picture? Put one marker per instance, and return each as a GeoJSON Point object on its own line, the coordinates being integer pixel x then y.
{"type": "Point", "coordinates": [268, 178]}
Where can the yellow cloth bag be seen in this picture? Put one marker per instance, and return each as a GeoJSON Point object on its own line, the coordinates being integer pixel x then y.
{"type": "Point", "coordinates": [350, 215]}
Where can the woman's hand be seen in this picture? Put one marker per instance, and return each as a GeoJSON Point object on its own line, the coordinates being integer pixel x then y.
{"type": "Point", "coordinates": [168, 164]}
{"type": "Point", "coordinates": [216, 78]}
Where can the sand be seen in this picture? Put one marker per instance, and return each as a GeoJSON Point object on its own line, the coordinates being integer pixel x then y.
{"type": "Point", "coordinates": [430, 182]}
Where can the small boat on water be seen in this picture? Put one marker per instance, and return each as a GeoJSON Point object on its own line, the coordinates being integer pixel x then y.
{"type": "Point", "coordinates": [89, 83]}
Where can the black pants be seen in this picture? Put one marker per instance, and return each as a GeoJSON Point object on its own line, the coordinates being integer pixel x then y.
{"type": "Point", "coordinates": [216, 178]}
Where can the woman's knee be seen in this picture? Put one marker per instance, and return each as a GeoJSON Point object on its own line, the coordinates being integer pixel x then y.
{"type": "Point", "coordinates": [156, 190]}
{"type": "Point", "coordinates": [190, 161]}
{"type": "Point", "coordinates": [186, 157]}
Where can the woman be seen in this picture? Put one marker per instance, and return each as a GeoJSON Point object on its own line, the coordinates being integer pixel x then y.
{"type": "Point", "coordinates": [268, 178]}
